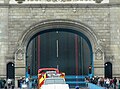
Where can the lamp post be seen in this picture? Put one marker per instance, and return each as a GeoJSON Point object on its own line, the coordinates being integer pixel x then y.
{"type": "Point", "coordinates": [19, 1]}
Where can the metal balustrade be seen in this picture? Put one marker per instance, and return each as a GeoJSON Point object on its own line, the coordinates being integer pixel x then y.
{"type": "Point", "coordinates": [74, 80]}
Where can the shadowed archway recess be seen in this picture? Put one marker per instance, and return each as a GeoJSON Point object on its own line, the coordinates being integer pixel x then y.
{"type": "Point", "coordinates": [70, 51]}
{"type": "Point", "coordinates": [10, 71]}
{"type": "Point", "coordinates": [108, 70]}
{"type": "Point", "coordinates": [60, 25]}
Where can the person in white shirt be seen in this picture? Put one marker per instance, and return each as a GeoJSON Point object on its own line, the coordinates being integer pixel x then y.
{"type": "Point", "coordinates": [108, 83]}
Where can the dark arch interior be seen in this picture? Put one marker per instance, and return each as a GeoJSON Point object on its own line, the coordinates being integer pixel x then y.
{"type": "Point", "coordinates": [66, 49]}
{"type": "Point", "coordinates": [108, 70]}
{"type": "Point", "coordinates": [10, 71]}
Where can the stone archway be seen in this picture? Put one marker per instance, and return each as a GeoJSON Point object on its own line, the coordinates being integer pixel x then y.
{"type": "Point", "coordinates": [59, 23]}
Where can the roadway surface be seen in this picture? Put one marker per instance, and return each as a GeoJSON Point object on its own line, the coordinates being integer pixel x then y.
{"type": "Point", "coordinates": [70, 88]}
{"type": "Point", "coordinates": [90, 86]}
{"type": "Point", "coordinates": [80, 88]}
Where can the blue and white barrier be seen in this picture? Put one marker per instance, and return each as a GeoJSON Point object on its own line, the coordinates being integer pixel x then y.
{"type": "Point", "coordinates": [93, 86]}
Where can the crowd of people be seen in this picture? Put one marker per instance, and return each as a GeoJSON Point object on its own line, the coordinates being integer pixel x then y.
{"type": "Point", "coordinates": [104, 82]}
{"type": "Point", "coordinates": [28, 83]}
{"type": "Point", "coordinates": [7, 84]}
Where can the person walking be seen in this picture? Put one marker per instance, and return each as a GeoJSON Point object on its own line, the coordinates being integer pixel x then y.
{"type": "Point", "coordinates": [107, 83]}
{"type": "Point", "coordinates": [101, 81]}
{"type": "Point", "coordinates": [115, 82]}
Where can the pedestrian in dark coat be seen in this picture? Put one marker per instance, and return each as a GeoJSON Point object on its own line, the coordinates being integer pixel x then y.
{"type": "Point", "coordinates": [115, 82]}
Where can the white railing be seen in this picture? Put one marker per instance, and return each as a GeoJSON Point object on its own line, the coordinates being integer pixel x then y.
{"type": "Point", "coordinates": [56, 1]}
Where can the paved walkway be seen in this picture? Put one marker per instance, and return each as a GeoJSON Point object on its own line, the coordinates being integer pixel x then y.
{"type": "Point", "coordinates": [90, 86]}
{"type": "Point", "coordinates": [80, 88]}
{"type": "Point", "coordinates": [70, 88]}
{"type": "Point", "coordinates": [93, 86]}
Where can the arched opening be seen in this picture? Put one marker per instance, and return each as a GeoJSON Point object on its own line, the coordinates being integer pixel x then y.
{"type": "Point", "coordinates": [10, 71]}
{"type": "Point", "coordinates": [44, 40]}
{"type": "Point", "coordinates": [66, 49]}
{"type": "Point", "coordinates": [108, 70]}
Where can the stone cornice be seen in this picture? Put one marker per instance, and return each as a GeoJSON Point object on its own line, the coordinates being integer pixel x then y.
{"type": "Point", "coordinates": [59, 5]}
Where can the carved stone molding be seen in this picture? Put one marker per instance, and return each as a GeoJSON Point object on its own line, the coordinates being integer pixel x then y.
{"type": "Point", "coordinates": [19, 1]}
{"type": "Point", "coordinates": [19, 55]}
{"type": "Point", "coordinates": [59, 1]}
{"type": "Point", "coordinates": [98, 1]}
{"type": "Point", "coordinates": [99, 54]}
{"type": "Point", "coordinates": [109, 58]}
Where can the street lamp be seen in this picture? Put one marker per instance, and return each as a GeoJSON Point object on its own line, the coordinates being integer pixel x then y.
{"type": "Point", "coordinates": [19, 1]}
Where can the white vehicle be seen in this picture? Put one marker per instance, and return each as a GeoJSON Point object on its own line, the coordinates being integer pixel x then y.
{"type": "Point", "coordinates": [55, 83]}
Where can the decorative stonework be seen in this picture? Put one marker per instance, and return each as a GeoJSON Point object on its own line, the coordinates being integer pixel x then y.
{"type": "Point", "coordinates": [99, 54]}
{"type": "Point", "coordinates": [58, 1]}
{"type": "Point", "coordinates": [19, 54]}
{"type": "Point", "coordinates": [62, 0]}
{"type": "Point", "coordinates": [19, 1]}
{"type": "Point", "coordinates": [109, 58]}
{"type": "Point", "coordinates": [98, 1]}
